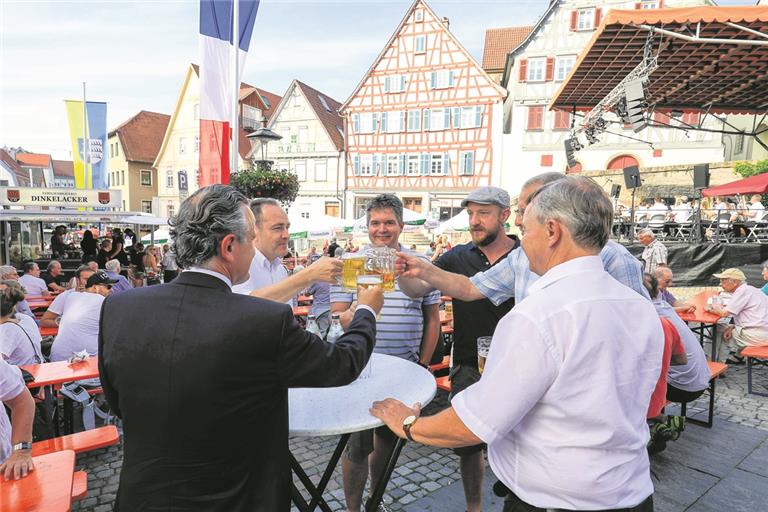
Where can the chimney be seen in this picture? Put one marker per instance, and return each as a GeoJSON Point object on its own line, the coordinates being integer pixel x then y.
{"type": "Point", "coordinates": [445, 21]}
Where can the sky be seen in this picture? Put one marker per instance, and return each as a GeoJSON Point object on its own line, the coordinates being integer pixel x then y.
{"type": "Point", "coordinates": [133, 54]}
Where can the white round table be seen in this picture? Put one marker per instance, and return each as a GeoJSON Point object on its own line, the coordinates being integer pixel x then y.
{"type": "Point", "coordinates": [343, 410]}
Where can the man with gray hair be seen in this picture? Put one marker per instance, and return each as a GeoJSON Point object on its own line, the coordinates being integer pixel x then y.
{"type": "Point", "coordinates": [655, 252]}
{"type": "Point", "coordinates": [535, 403]}
{"type": "Point", "coordinates": [211, 430]}
{"type": "Point", "coordinates": [113, 271]}
{"type": "Point", "coordinates": [8, 272]}
{"type": "Point", "coordinates": [512, 276]}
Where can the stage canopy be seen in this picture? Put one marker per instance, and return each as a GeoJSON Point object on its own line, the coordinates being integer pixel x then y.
{"type": "Point", "coordinates": [752, 185]}
{"type": "Point", "coordinates": [711, 59]}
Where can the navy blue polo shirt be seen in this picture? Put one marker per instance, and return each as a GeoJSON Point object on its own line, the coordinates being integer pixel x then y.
{"type": "Point", "coordinates": [471, 319]}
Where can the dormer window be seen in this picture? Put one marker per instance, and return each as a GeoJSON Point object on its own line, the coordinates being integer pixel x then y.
{"type": "Point", "coordinates": [418, 15]}
{"type": "Point", "coordinates": [585, 19]}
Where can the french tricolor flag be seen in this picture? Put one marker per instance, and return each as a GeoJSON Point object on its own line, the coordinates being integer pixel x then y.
{"type": "Point", "coordinates": [219, 88]}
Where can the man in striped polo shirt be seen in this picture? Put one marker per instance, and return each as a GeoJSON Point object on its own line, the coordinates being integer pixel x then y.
{"type": "Point", "coordinates": [408, 328]}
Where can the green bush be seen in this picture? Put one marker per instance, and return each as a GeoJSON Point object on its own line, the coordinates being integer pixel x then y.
{"type": "Point", "coordinates": [263, 181]}
{"type": "Point", "coordinates": [747, 169]}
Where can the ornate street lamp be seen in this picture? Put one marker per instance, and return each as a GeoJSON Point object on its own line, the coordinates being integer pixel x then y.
{"type": "Point", "coordinates": [264, 135]}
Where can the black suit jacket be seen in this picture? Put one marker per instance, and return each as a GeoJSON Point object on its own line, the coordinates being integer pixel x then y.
{"type": "Point", "coordinates": [200, 377]}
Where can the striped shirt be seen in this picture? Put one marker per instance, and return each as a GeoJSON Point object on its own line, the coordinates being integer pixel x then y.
{"type": "Point", "coordinates": [512, 277]}
{"type": "Point", "coordinates": [400, 325]}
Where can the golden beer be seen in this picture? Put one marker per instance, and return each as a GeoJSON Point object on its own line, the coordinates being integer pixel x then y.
{"type": "Point", "coordinates": [367, 281]}
{"type": "Point", "coordinates": [481, 363]}
{"type": "Point", "coordinates": [483, 347]}
{"type": "Point", "coordinates": [387, 281]}
{"type": "Point", "coordinates": [353, 267]}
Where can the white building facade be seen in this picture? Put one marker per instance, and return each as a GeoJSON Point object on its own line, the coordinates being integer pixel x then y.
{"type": "Point", "coordinates": [533, 140]}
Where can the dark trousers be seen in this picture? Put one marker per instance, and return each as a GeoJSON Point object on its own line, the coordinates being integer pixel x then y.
{"type": "Point", "coordinates": [680, 396]}
{"type": "Point", "coordinates": [515, 504]}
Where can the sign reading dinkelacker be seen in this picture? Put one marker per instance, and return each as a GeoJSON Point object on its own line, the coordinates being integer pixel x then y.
{"type": "Point", "coordinates": [71, 197]}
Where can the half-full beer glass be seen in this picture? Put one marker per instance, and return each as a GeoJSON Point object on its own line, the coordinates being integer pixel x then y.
{"type": "Point", "coordinates": [354, 265]}
{"type": "Point", "coordinates": [483, 347]}
{"type": "Point", "coordinates": [382, 262]}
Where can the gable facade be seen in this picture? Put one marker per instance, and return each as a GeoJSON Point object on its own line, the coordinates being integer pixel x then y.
{"type": "Point", "coordinates": [424, 121]}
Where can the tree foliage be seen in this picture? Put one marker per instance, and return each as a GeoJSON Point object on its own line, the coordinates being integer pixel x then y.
{"type": "Point", "coordinates": [747, 169]}
{"type": "Point", "coordinates": [263, 181]}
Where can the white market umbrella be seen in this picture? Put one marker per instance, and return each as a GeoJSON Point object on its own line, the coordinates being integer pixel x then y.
{"type": "Point", "coordinates": [459, 222]}
{"type": "Point", "coordinates": [146, 220]}
{"type": "Point", "coordinates": [159, 236]}
{"type": "Point", "coordinates": [411, 219]}
{"type": "Point", "coordinates": [316, 227]}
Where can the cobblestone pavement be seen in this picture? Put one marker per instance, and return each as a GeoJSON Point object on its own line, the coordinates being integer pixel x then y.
{"type": "Point", "coordinates": [421, 469]}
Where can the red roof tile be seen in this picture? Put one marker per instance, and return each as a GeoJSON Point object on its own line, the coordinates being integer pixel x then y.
{"type": "Point", "coordinates": [22, 176]}
{"type": "Point", "coordinates": [63, 168]}
{"type": "Point", "coordinates": [499, 42]}
{"type": "Point", "coordinates": [33, 159]}
{"type": "Point", "coordinates": [327, 113]}
{"type": "Point", "coordinates": [142, 135]}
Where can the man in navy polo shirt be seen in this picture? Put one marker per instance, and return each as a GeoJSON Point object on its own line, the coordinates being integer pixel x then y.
{"type": "Point", "coordinates": [488, 209]}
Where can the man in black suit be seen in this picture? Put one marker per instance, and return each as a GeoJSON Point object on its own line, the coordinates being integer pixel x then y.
{"type": "Point", "coordinates": [200, 375]}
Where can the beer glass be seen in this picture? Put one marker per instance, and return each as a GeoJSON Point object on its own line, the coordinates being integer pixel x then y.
{"type": "Point", "coordinates": [483, 346]}
{"type": "Point", "coordinates": [381, 261]}
{"type": "Point", "coordinates": [449, 308]}
{"type": "Point", "coordinates": [354, 265]}
{"type": "Point", "coordinates": [367, 280]}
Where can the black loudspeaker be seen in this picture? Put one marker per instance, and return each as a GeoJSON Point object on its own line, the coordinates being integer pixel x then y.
{"type": "Point", "coordinates": [615, 190]}
{"type": "Point", "coordinates": [632, 177]}
{"type": "Point", "coordinates": [700, 176]}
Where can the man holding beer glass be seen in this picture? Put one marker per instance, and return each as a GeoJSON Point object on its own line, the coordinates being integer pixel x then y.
{"type": "Point", "coordinates": [488, 210]}
{"type": "Point", "coordinates": [407, 328]}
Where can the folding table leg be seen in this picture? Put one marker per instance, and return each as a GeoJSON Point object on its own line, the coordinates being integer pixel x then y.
{"type": "Point", "coordinates": [378, 492]}
{"type": "Point", "coordinates": [329, 469]}
{"type": "Point", "coordinates": [308, 485]}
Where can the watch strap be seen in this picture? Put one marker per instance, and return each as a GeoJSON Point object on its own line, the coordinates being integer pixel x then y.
{"type": "Point", "coordinates": [407, 429]}
{"type": "Point", "coordinates": [22, 446]}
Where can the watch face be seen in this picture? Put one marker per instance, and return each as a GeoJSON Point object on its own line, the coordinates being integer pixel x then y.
{"type": "Point", "coordinates": [409, 420]}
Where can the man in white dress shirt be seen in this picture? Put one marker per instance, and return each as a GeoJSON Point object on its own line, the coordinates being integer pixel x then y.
{"type": "Point", "coordinates": [268, 277]}
{"type": "Point", "coordinates": [535, 403]}
{"type": "Point", "coordinates": [32, 282]}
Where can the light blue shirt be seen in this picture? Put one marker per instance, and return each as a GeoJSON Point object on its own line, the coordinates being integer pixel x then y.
{"type": "Point", "coordinates": [513, 277]}
{"type": "Point", "coordinates": [263, 273]}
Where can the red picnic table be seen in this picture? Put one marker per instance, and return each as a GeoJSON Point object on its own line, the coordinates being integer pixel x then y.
{"type": "Point", "coordinates": [48, 488]}
{"type": "Point", "coordinates": [301, 310]}
{"type": "Point", "coordinates": [49, 374]}
{"type": "Point", "coordinates": [39, 302]}
{"type": "Point", "coordinates": [704, 318]}
{"type": "Point", "coordinates": [304, 300]}
{"type": "Point", "coordinates": [49, 331]}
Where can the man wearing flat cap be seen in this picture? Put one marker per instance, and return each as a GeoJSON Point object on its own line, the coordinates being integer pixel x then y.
{"type": "Point", "coordinates": [488, 209]}
{"type": "Point", "coordinates": [749, 308]}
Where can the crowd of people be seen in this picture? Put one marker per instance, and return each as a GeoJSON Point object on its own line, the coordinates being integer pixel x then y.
{"type": "Point", "coordinates": [579, 325]}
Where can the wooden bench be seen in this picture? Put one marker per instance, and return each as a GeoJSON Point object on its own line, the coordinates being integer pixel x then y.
{"type": "Point", "coordinates": [442, 365]}
{"type": "Point", "coordinates": [443, 383]}
{"type": "Point", "coordinates": [752, 354]}
{"type": "Point", "coordinates": [715, 371]}
{"type": "Point", "coordinates": [80, 442]}
{"type": "Point", "coordinates": [79, 485]}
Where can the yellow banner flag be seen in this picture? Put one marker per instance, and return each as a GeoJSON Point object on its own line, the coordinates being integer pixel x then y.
{"type": "Point", "coordinates": [77, 135]}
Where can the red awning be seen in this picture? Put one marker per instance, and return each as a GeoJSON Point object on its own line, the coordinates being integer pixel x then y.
{"type": "Point", "coordinates": [752, 185]}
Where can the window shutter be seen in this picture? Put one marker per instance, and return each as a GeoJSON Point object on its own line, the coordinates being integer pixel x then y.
{"type": "Point", "coordinates": [355, 123]}
{"type": "Point", "coordinates": [523, 70]}
{"type": "Point", "coordinates": [661, 4]}
{"type": "Point", "coordinates": [451, 77]}
{"type": "Point", "coordinates": [374, 122]}
{"type": "Point", "coordinates": [376, 168]}
{"type": "Point", "coordinates": [478, 116]}
{"type": "Point", "coordinates": [446, 164]}
{"type": "Point", "coordinates": [356, 164]}
{"type": "Point", "coordinates": [462, 163]}
{"type": "Point", "coordinates": [402, 82]}
{"type": "Point", "coordinates": [425, 164]}
{"type": "Point", "coordinates": [470, 166]}
{"type": "Point", "coordinates": [426, 119]}
{"type": "Point", "coordinates": [402, 165]}
{"type": "Point", "coordinates": [638, 5]}
{"type": "Point", "coordinates": [457, 117]}
{"type": "Point", "coordinates": [402, 120]}
{"type": "Point", "coordinates": [384, 116]}
{"type": "Point", "coordinates": [386, 84]}
{"type": "Point", "coordinates": [535, 117]}
{"type": "Point", "coordinates": [433, 80]}
{"type": "Point", "coordinates": [447, 119]}
{"type": "Point", "coordinates": [550, 73]}
{"type": "Point", "coordinates": [598, 16]}
{"type": "Point", "coordinates": [574, 20]}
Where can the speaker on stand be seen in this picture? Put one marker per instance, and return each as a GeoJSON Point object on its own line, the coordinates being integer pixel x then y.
{"type": "Point", "coordinates": [700, 182]}
{"type": "Point", "coordinates": [631, 182]}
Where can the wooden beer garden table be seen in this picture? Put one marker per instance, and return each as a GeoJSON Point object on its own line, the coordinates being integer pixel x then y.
{"type": "Point", "coordinates": [49, 331]}
{"type": "Point", "coordinates": [46, 489]}
{"type": "Point", "coordinates": [704, 318]}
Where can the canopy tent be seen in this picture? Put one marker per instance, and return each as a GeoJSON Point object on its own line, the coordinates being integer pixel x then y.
{"type": "Point", "coordinates": [146, 220]}
{"type": "Point", "coordinates": [411, 219]}
{"type": "Point", "coordinates": [752, 185]}
{"type": "Point", "coordinates": [160, 236]}
{"type": "Point", "coordinates": [458, 223]}
{"type": "Point", "coordinates": [317, 227]}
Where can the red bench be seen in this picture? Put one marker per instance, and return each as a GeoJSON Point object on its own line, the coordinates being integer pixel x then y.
{"type": "Point", "coordinates": [80, 442]}
{"type": "Point", "coordinates": [752, 354]}
{"type": "Point", "coordinates": [79, 485]}
{"type": "Point", "coordinates": [442, 365]}
{"type": "Point", "coordinates": [444, 383]}
{"type": "Point", "coordinates": [715, 371]}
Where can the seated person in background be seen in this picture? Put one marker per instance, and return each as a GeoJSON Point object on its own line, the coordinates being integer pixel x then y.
{"type": "Point", "coordinates": [31, 281]}
{"type": "Point", "coordinates": [79, 327]}
{"type": "Point", "coordinates": [749, 308]}
{"type": "Point", "coordinates": [19, 335]}
{"type": "Point", "coordinates": [8, 273]}
{"type": "Point", "coordinates": [54, 276]}
{"type": "Point", "coordinates": [113, 271]}
{"type": "Point", "coordinates": [755, 211]}
{"type": "Point", "coordinates": [16, 438]}
{"type": "Point", "coordinates": [52, 316]}
{"type": "Point", "coordinates": [663, 275]}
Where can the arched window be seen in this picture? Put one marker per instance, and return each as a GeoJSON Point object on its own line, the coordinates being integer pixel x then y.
{"type": "Point", "coordinates": [622, 161]}
{"type": "Point", "coordinates": [573, 170]}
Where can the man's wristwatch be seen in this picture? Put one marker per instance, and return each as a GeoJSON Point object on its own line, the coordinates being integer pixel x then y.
{"type": "Point", "coordinates": [22, 446]}
{"type": "Point", "coordinates": [407, 424]}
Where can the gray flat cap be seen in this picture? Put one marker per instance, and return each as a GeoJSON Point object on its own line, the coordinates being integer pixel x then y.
{"type": "Point", "coordinates": [488, 195]}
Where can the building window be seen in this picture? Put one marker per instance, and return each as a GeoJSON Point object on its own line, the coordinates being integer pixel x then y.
{"type": "Point", "coordinates": [414, 120]}
{"type": "Point", "coordinates": [146, 206]}
{"type": "Point", "coordinates": [738, 147]}
{"type": "Point", "coordinates": [393, 122]}
{"type": "Point", "coordinates": [546, 160]}
{"type": "Point", "coordinates": [585, 19]}
{"type": "Point", "coordinates": [366, 165]}
{"type": "Point", "coordinates": [563, 67]}
{"type": "Point", "coordinates": [437, 119]}
{"type": "Point", "coordinates": [303, 134]}
{"type": "Point", "coordinates": [536, 69]}
{"type": "Point", "coordinates": [332, 209]}
{"type": "Point", "coordinates": [169, 178]}
{"type": "Point", "coordinates": [418, 15]}
{"type": "Point", "coordinates": [321, 170]}
{"type": "Point", "coordinates": [394, 83]}
{"type": "Point", "coordinates": [197, 143]}
{"type": "Point", "coordinates": [690, 118]}
{"type": "Point", "coordinates": [325, 103]}
{"type": "Point", "coordinates": [468, 117]}
{"type": "Point", "coordinates": [437, 165]}
{"type": "Point", "coordinates": [562, 120]}
{"type": "Point", "coordinates": [413, 165]}
{"type": "Point", "coordinates": [146, 178]}
{"type": "Point", "coordinates": [364, 123]}
{"type": "Point", "coordinates": [171, 209]}
{"type": "Point", "coordinates": [421, 44]}
{"type": "Point", "coordinates": [649, 5]}
{"type": "Point", "coordinates": [535, 118]}
{"type": "Point", "coordinates": [182, 145]}
{"type": "Point", "coordinates": [301, 170]}
{"type": "Point", "coordinates": [467, 163]}
{"type": "Point", "coordinates": [117, 149]}
{"type": "Point", "coordinates": [122, 177]}
{"type": "Point", "coordinates": [442, 79]}
{"type": "Point", "coordinates": [393, 165]}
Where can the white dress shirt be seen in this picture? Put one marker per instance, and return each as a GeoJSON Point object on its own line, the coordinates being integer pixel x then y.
{"type": "Point", "coordinates": [34, 285]}
{"type": "Point", "coordinates": [263, 273]}
{"type": "Point", "coordinates": [563, 398]}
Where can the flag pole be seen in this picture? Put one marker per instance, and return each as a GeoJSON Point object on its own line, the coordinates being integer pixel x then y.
{"type": "Point", "coordinates": [235, 85]}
